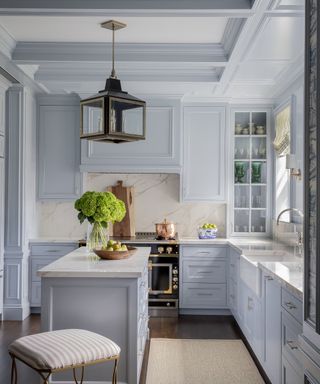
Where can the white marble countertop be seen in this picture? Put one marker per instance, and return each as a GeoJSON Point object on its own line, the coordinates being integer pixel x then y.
{"type": "Point", "coordinates": [55, 240]}
{"type": "Point", "coordinates": [288, 273]}
{"type": "Point", "coordinates": [79, 263]}
{"type": "Point", "coordinates": [272, 256]}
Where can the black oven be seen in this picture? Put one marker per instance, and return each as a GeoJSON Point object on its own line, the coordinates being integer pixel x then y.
{"type": "Point", "coordinates": [163, 278]}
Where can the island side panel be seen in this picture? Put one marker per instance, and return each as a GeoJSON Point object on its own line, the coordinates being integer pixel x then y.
{"type": "Point", "coordinates": [108, 306]}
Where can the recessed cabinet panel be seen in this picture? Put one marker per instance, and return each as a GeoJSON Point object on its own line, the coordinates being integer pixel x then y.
{"type": "Point", "coordinates": [204, 154]}
{"type": "Point", "coordinates": [59, 152]}
{"type": "Point", "coordinates": [2, 144]}
{"type": "Point", "coordinates": [204, 271]}
{"type": "Point", "coordinates": [159, 152]}
{"type": "Point", "coordinates": [2, 111]}
{"type": "Point", "coordinates": [204, 296]}
{"type": "Point", "coordinates": [2, 183]}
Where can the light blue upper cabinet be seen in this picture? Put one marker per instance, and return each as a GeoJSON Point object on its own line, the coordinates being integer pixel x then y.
{"type": "Point", "coordinates": [160, 152]}
{"type": "Point", "coordinates": [204, 171]}
{"type": "Point", "coordinates": [59, 147]}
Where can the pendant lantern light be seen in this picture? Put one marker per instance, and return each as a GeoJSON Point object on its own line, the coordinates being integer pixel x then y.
{"type": "Point", "coordinates": [113, 115]}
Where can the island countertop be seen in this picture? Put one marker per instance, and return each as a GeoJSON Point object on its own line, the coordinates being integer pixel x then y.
{"type": "Point", "coordinates": [80, 263]}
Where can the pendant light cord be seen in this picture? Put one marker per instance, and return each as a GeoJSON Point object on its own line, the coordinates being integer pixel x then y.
{"type": "Point", "coordinates": [113, 72]}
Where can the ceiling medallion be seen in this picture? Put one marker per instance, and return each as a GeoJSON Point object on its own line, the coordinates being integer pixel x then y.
{"type": "Point", "coordinates": [113, 115]}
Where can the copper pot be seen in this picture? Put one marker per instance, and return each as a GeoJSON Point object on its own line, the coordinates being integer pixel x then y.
{"type": "Point", "coordinates": [165, 230]}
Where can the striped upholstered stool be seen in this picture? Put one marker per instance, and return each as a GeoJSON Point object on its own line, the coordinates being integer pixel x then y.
{"type": "Point", "coordinates": [55, 351]}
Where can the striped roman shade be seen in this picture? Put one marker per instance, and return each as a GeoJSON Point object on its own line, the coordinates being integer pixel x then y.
{"type": "Point", "coordinates": [63, 348]}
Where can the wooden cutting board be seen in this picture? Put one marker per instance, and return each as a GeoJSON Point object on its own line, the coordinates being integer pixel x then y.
{"type": "Point", "coordinates": [126, 228]}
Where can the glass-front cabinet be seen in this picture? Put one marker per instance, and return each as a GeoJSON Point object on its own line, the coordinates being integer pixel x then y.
{"type": "Point", "coordinates": [250, 172]}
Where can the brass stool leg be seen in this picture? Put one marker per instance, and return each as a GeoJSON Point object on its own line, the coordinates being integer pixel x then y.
{"type": "Point", "coordinates": [14, 378]}
{"type": "Point", "coordinates": [75, 376]}
{"type": "Point", "coordinates": [115, 372]}
{"type": "Point", "coordinates": [45, 378]}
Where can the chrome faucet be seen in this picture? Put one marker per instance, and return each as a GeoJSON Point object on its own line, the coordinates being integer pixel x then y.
{"type": "Point", "coordinates": [300, 237]}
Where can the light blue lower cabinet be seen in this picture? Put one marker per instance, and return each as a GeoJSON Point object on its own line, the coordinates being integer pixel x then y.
{"type": "Point", "coordinates": [42, 254]}
{"type": "Point", "coordinates": [272, 328]}
{"type": "Point", "coordinates": [203, 279]}
{"type": "Point", "coordinates": [290, 332]}
{"type": "Point", "coordinates": [204, 296]}
{"type": "Point", "coordinates": [251, 318]}
{"type": "Point", "coordinates": [289, 373]}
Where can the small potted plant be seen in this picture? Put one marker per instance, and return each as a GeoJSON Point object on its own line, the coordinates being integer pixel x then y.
{"type": "Point", "coordinates": [99, 208]}
{"type": "Point", "coordinates": [207, 231]}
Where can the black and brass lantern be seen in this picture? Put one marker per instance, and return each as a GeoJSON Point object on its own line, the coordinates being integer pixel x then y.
{"type": "Point", "coordinates": [113, 115]}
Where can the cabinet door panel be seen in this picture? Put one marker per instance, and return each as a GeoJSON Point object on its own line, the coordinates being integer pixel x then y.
{"type": "Point", "coordinates": [291, 330]}
{"type": "Point", "coordinates": [59, 152]}
{"type": "Point", "coordinates": [289, 374]}
{"type": "Point", "coordinates": [2, 111]}
{"type": "Point", "coordinates": [291, 304]}
{"type": "Point", "coordinates": [204, 296]}
{"type": "Point", "coordinates": [35, 300]}
{"type": "Point", "coordinates": [205, 252]}
{"type": "Point", "coordinates": [2, 185]}
{"type": "Point", "coordinates": [160, 151]}
{"type": "Point", "coordinates": [2, 144]}
{"type": "Point", "coordinates": [38, 263]}
{"type": "Point", "coordinates": [204, 154]}
{"type": "Point", "coordinates": [272, 295]}
{"type": "Point", "coordinates": [204, 271]}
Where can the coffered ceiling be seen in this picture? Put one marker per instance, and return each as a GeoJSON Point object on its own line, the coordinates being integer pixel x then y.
{"type": "Point", "coordinates": [209, 48]}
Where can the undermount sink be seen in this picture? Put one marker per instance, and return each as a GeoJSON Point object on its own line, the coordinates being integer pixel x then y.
{"type": "Point", "coordinates": [251, 275]}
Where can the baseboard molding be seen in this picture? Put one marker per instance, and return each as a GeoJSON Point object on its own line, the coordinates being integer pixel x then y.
{"type": "Point", "coordinates": [35, 310]}
{"type": "Point", "coordinates": [216, 312]}
{"type": "Point", "coordinates": [16, 313]}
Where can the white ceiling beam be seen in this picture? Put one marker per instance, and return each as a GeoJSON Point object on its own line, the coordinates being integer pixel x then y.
{"type": "Point", "coordinates": [124, 7]}
{"type": "Point", "coordinates": [93, 72]}
{"type": "Point", "coordinates": [248, 34]}
{"type": "Point", "coordinates": [7, 42]}
{"type": "Point", "coordinates": [38, 52]}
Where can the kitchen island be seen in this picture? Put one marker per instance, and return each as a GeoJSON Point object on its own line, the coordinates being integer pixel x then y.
{"type": "Point", "coordinates": [82, 291]}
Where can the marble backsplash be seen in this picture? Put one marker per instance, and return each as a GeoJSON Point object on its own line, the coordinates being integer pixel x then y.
{"type": "Point", "coordinates": [156, 198]}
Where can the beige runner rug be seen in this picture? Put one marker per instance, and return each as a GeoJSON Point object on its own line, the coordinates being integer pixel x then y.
{"type": "Point", "coordinates": [176, 361]}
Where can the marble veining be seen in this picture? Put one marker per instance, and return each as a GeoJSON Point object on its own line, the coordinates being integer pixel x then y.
{"type": "Point", "coordinates": [156, 198]}
{"type": "Point", "coordinates": [288, 273]}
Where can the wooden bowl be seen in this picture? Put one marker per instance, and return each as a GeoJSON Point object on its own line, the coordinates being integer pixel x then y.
{"type": "Point", "coordinates": [115, 255]}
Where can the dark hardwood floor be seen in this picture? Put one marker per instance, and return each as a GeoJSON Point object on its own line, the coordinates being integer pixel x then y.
{"type": "Point", "coordinates": [9, 331]}
{"type": "Point", "coordinates": [183, 327]}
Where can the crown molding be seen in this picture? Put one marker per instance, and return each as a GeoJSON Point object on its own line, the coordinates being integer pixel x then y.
{"type": "Point", "coordinates": [7, 42]}
{"type": "Point", "coordinates": [16, 76]}
{"type": "Point", "coordinates": [36, 52]}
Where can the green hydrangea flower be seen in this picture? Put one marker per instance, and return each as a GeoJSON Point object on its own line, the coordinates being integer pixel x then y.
{"type": "Point", "coordinates": [100, 207]}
